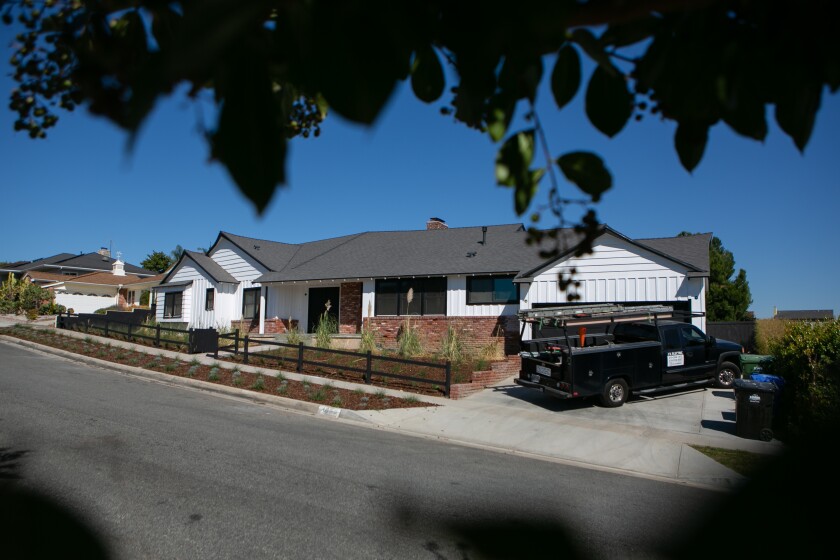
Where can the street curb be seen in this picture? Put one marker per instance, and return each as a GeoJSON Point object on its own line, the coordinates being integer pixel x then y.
{"type": "Point", "coordinates": [259, 398]}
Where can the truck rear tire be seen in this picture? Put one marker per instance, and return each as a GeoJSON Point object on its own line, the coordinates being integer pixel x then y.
{"type": "Point", "coordinates": [615, 393]}
{"type": "Point", "coordinates": [726, 375]}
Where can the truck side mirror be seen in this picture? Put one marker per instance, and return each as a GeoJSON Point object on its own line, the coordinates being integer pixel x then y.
{"type": "Point", "coordinates": [711, 340]}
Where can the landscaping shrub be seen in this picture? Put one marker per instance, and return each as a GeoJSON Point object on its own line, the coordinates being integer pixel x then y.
{"type": "Point", "coordinates": [807, 357]}
{"type": "Point", "coordinates": [767, 332]}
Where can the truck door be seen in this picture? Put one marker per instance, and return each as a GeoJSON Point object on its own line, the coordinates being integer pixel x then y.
{"type": "Point", "coordinates": [697, 356]}
{"type": "Point", "coordinates": [673, 355]}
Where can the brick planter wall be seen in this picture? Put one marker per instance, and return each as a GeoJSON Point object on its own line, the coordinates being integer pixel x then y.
{"type": "Point", "coordinates": [272, 326]}
{"type": "Point", "coordinates": [498, 372]}
{"type": "Point", "coordinates": [476, 333]}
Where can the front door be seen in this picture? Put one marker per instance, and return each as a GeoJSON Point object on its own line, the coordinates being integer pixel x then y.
{"type": "Point", "coordinates": [318, 298]}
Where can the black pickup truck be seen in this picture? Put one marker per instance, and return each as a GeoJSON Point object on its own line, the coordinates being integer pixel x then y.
{"type": "Point", "coordinates": [628, 350]}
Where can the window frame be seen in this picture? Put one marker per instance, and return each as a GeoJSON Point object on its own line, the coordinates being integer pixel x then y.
{"type": "Point", "coordinates": [210, 299]}
{"type": "Point", "coordinates": [493, 300]}
{"type": "Point", "coordinates": [421, 302]}
{"type": "Point", "coordinates": [256, 291]}
{"type": "Point", "coordinates": [167, 305]}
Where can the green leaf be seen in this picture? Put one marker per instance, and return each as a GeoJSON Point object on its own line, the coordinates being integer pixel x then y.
{"type": "Point", "coordinates": [587, 171]}
{"type": "Point", "coordinates": [592, 47]}
{"type": "Point", "coordinates": [250, 138]}
{"type": "Point", "coordinates": [565, 78]}
{"type": "Point", "coordinates": [427, 79]}
{"type": "Point", "coordinates": [690, 142]}
{"type": "Point", "coordinates": [609, 104]}
{"type": "Point", "coordinates": [513, 163]}
{"type": "Point", "coordinates": [797, 111]}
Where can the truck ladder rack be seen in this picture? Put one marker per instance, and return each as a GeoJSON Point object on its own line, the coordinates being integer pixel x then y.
{"type": "Point", "coordinates": [599, 313]}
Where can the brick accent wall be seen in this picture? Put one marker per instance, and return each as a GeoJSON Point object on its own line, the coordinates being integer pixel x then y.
{"type": "Point", "coordinates": [498, 372]}
{"type": "Point", "coordinates": [272, 326]}
{"type": "Point", "coordinates": [350, 308]}
{"type": "Point", "coordinates": [476, 332]}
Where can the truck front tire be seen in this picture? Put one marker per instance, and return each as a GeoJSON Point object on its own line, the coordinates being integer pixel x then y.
{"type": "Point", "coordinates": [615, 393]}
{"type": "Point", "coordinates": [726, 375]}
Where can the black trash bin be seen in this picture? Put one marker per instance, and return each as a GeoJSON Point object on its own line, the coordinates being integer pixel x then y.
{"type": "Point", "coordinates": [754, 402]}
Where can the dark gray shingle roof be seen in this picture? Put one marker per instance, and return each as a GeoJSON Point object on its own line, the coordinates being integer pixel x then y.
{"type": "Point", "coordinates": [89, 261]}
{"type": "Point", "coordinates": [432, 253]}
{"type": "Point", "coordinates": [805, 315]}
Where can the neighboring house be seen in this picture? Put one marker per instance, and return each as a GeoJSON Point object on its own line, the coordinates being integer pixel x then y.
{"type": "Point", "coordinates": [87, 293]}
{"type": "Point", "coordinates": [67, 264]}
{"type": "Point", "coordinates": [475, 279]}
{"type": "Point", "coordinates": [804, 315]}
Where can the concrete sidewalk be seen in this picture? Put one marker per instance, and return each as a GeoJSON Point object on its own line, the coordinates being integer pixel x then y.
{"type": "Point", "coordinates": [649, 437]}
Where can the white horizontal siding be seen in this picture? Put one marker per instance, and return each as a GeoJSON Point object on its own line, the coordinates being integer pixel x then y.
{"type": "Point", "coordinates": [240, 265]}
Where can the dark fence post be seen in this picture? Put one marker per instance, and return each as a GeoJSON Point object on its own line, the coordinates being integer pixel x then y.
{"type": "Point", "coordinates": [190, 340]}
{"type": "Point", "coordinates": [448, 378]}
{"type": "Point", "coordinates": [106, 326]}
{"type": "Point", "coordinates": [157, 334]}
{"type": "Point", "coordinates": [367, 368]}
{"type": "Point", "coordinates": [236, 342]}
{"type": "Point", "coordinates": [87, 325]}
{"type": "Point", "coordinates": [128, 334]}
{"type": "Point", "coordinates": [245, 350]}
{"type": "Point", "coordinates": [300, 357]}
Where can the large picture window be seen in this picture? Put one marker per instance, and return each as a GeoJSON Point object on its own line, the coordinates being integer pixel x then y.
{"type": "Point", "coordinates": [209, 299]}
{"type": "Point", "coordinates": [251, 303]}
{"type": "Point", "coordinates": [172, 304]}
{"type": "Point", "coordinates": [429, 296]}
{"type": "Point", "coordinates": [483, 290]}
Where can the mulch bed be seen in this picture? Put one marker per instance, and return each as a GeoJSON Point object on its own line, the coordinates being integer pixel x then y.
{"type": "Point", "coordinates": [267, 382]}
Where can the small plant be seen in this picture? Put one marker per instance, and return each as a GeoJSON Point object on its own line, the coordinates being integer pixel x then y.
{"type": "Point", "coordinates": [408, 339]}
{"type": "Point", "coordinates": [283, 387]}
{"type": "Point", "coordinates": [280, 376]}
{"type": "Point", "coordinates": [259, 384]}
{"type": "Point", "coordinates": [306, 384]}
{"type": "Point", "coordinates": [237, 381]}
{"type": "Point", "coordinates": [214, 375]}
{"type": "Point", "coordinates": [451, 346]}
{"type": "Point", "coordinates": [380, 393]}
{"type": "Point", "coordinates": [170, 367]}
{"type": "Point", "coordinates": [326, 328]}
{"type": "Point", "coordinates": [192, 371]}
{"type": "Point", "coordinates": [88, 340]}
{"type": "Point", "coordinates": [293, 335]}
{"type": "Point", "coordinates": [368, 339]}
{"type": "Point", "coordinates": [336, 401]}
{"type": "Point", "coordinates": [195, 362]}
{"type": "Point", "coordinates": [320, 394]}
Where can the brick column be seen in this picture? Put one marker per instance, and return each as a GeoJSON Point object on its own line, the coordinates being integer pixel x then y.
{"type": "Point", "coordinates": [350, 308]}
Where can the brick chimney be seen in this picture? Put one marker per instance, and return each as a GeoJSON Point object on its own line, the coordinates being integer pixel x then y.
{"type": "Point", "coordinates": [104, 251]}
{"type": "Point", "coordinates": [436, 223]}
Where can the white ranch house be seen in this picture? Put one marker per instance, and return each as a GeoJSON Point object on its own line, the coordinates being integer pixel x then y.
{"type": "Point", "coordinates": [475, 279]}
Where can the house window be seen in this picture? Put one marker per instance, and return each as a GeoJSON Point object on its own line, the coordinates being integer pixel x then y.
{"type": "Point", "coordinates": [429, 296]}
{"type": "Point", "coordinates": [129, 299]}
{"type": "Point", "coordinates": [491, 289]}
{"type": "Point", "coordinates": [209, 299]}
{"type": "Point", "coordinates": [251, 303]}
{"type": "Point", "coordinates": [172, 304]}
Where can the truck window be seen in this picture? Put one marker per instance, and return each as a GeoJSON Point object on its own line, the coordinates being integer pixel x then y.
{"type": "Point", "coordinates": [692, 336]}
{"type": "Point", "coordinates": [635, 332]}
{"type": "Point", "coordinates": [672, 339]}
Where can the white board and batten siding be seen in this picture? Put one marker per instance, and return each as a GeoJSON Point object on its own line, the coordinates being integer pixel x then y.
{"type": "Point", "coordinates": [617, 271]}
{"type": "Point", "coordinates": [246, 270]}
{"type": "Point", "coordinates": [289, 301]}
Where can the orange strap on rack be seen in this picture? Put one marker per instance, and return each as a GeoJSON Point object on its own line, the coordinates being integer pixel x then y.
{"type": "Point", "coordinates": [582, 336]}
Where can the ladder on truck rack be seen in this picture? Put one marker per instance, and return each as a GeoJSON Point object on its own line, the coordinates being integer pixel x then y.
{"type": "Point", "coordinates": [599, 313]}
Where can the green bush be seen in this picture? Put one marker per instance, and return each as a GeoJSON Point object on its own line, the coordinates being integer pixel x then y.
{"type": "Point", "coordinates": [451, 346]}
{"type": "Point", "coordinates": [327, 327]}
{"type": "Point", "coordinates": [807, 357]}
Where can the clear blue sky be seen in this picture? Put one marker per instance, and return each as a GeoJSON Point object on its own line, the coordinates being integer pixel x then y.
{"type": "Point", "coordinates": [78, 190]}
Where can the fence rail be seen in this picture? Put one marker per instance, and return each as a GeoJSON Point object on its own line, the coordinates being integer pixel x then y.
{"type": "Point", "coordinates": [195, 340]}
{"type": "Point", "coordinates": [367, 373]}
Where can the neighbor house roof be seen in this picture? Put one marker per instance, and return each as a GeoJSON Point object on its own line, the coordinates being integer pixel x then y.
{"type": "Point", "coordinates": [69, 261]}
{"type": "Point", "coordinates": [110, 279]}
{"type": "Point", "coordinates": [211, 267]}
{"type": "Point", "coordinates": [500, 249]}
{"type": "Point", "coordinates": [805, 315]}
{"type": "Point", "coordinates": [40, 276]}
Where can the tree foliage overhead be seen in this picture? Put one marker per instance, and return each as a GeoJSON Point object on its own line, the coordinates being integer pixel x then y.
{"type": "Point", "coordinates": [273, 68]}
{"type": "Point", "coordinates": [729, 294]}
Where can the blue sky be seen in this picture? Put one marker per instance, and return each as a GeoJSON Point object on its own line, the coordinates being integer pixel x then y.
{"type": "Point", "coordinates": [79, 189]}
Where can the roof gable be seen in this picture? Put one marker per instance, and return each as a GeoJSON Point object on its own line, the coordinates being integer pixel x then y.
{"type": "Point", "coordinates": [206, 264]}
